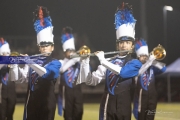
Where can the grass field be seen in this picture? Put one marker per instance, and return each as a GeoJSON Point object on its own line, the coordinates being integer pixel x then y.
{"type": "Point", "coordinates": [165, 111]}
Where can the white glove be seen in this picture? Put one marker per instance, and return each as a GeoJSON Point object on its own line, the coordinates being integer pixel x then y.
{"type": "Point", "coordinates": [112, 67]}
{"type": "Point", "coordinates": [13, 72]}
{"type": "Point", "coordinates": [84, 71]}
{"type": "Point", "coordinates": [152, 57]}
{"type": "Point", "coordinates": [148, 63]}
{"type": "Point", "coordinates": [150, 60]}
{"type": "Point", "coordinates": [85, 60]}
{"type": "Point", "coordinates": [100, 56]}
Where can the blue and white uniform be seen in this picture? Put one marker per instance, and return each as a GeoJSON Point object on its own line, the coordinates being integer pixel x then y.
{"type": "Point", "coordinates": [145, 100]}
{"type": "Point", "coordinates": [40, 100]}
{"type": "Point", "coordinates": [7, 94]}
{"type": "Point", "coordinates": [70, 99]}
{"type": "Point", "coordinates": [118, 74]}
{"type": "Point", "coordinates": [41, 77]}
{"type": "Point", "coordinates": [117, 86]}
{"type": "Point", "coordinates": [70, 95]}
{"type": "Point", "coordinates": [7, 87]}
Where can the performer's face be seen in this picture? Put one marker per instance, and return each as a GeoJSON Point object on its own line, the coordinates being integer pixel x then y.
{"type": "Point", "coordinates": [125, 45]}
{"type": "Point", "coordinates": [68, 53]}
{"type": "Point", "coordinates": [143, 58]}
{"type": "Point", "coordinates": [46, 49]}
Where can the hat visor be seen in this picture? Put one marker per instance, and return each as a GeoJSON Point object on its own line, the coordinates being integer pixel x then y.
{"type": "Point", "coordinates": [45, 44]}
{"type": "Point", "coordinates": [125, 38]}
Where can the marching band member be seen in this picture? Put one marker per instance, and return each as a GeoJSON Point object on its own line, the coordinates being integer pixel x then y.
{"type": "Point", "coordinates": [118, 73]}
{"type": "Point", "coordinates": [70, 95]}
{"type": "Point", "coordinates": [7, 87]}
{"type": "Point", "coordinates": [145, 100]}
{"type": "Point", "coordinates": [41, 101]}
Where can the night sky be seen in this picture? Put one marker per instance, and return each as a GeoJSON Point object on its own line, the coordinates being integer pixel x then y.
{"type": "Point", "coordinates": [95, 20]}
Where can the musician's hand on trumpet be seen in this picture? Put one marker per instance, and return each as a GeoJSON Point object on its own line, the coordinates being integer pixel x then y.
{"type": "Point", "coordinates": [152, 57]}
{"type": "Point", "coordinates": [158, 53]}
{"type": "Point", "coordinates": [86, 52]}
{"type": "Point", "coordinates": [100, 55]}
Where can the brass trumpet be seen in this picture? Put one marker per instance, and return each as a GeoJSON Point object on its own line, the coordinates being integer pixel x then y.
{"type": "Point", "coordinates": [159, 52]}
{"type": "Point", "coordinates": [84, 51]}
{"type": "Point", "coordinates": [14, 54]}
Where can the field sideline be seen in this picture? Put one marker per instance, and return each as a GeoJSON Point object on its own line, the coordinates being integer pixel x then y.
{"type": "Point", "coordinates": [165, 111]}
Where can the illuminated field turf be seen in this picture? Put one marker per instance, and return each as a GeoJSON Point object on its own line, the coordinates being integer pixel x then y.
{"type": "Point", "coordinates": [165, 111]}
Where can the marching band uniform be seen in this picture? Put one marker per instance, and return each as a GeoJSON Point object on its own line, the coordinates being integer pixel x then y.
{"type": "Point", "coordinates": [145, 100]}
{"type": "Point", "coordinates": [7, 87]}
{"type": "Point", "coordinates": [70, 95]}
{"type": "Point", "coordinates": [118, 73]}
{"type": "Point", "coordinates": [41, 101]}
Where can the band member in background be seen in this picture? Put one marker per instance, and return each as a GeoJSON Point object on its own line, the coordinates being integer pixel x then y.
{"type": "Point", "coordinates": [70, 95]}
{"type": "Point", "coordinates": [7, 87]}
{"type": "Point", "coordinates": [118, 73]}
{"type": "Point", "coordinates": [41, 101]}
{"type": "Point", "coordinates": [145, 100]}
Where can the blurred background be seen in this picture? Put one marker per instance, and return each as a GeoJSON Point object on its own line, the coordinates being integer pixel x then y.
{"type": "Point", "coordinates": [93, 25]}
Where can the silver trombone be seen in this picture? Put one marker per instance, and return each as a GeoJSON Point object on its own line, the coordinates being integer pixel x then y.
{"type": "Point", "coordinates": [18, 54]}
{"type": "Point", "coordinates": [85, 52]}
{"type": "Point", "coordinates": [40, 54]}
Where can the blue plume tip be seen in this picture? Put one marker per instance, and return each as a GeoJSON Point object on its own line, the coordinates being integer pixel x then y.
{"type": "Point", "coordinates": [47, 23]}
{"type": "Point", "coordinates": [42, 19]}
{"type": "Point", "coordinates": [140, 43]}
{"type": "Point", "coordinates": [66, 34]}
{"type": "Point", "coordinates": [66, 37]}
{"type": "Point", "coordinates": [124, 15]}
{"type": "Point", "coordinates": [2, 42]}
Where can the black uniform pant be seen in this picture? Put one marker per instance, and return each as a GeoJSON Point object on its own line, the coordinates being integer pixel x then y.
{"type": "Point", "coordinates": [148, 106]}
{"type": "Point", "coordinates": [8, 101]}
{"type": "Point", "coordinates": [73, 104]}
{"type": "Point", "coordinates": [40, 106]}
{"type": "Point", "coordinates": [7, 108]}
{"type": "Point", "coordinates": [116, 107]}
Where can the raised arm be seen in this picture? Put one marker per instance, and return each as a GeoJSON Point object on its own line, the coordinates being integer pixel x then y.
{"type": "Point", "coordinates": [67, 64]}
{"type": "Point", "coordinates": [158, 67]}
{"type": "Point", "coordinates": [131, 69]}
{"type": "Point", "coordinates": [89, 78]}
{"type": "Point", "coordinates": [49, 71]}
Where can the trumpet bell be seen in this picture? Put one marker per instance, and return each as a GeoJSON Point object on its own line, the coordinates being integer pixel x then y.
{"type": "Point", "coordinates": [14, 54]}
{"type": "Point", "coordinates": [84, 50]}
{"type": "Point", "coordinates": [159, 52]}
